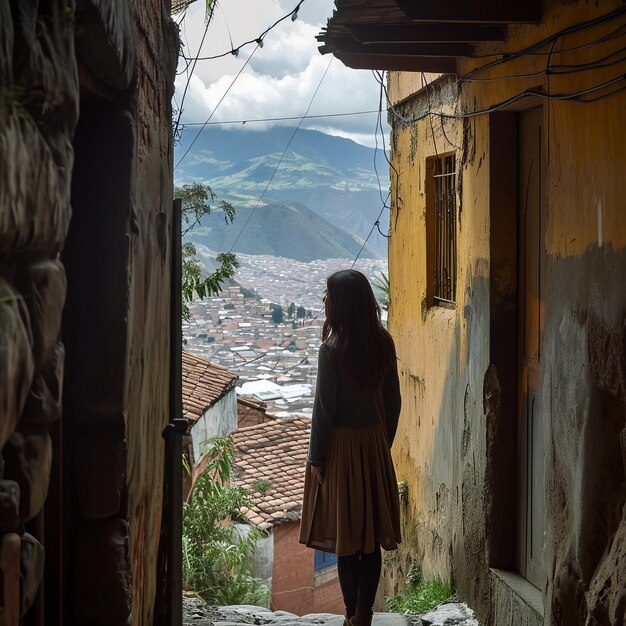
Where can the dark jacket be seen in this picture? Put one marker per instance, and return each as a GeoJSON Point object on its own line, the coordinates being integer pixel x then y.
{"type": "Point", "coordinates": [340, 402]}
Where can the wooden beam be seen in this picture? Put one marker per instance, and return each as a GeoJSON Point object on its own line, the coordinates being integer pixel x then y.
{"type": "Point", "coordinates": [434, 33]}
{"type": "Point", "coordinates": [473, 11]}
{"type": "Point", "coordinates": [346, 44]}
{"type": "Point", "coordinates": [435, 65]}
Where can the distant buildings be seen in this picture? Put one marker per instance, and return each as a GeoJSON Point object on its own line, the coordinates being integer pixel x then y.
{"type": "Point", "coordinates": [277, 363]}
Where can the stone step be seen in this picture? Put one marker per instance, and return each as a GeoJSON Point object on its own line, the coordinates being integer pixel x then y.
{"type": "Point", "coordinates": [197, 613]}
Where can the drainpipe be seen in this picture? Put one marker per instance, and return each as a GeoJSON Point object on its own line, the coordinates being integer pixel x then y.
{"type": "Point", "coordinates": [173, 434]}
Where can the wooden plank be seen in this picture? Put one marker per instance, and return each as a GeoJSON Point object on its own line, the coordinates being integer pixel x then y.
{"type": "Point", "coordinates": [438, 65]}
{"type": "Point", "coordinates": [346, 44]}
{"type": "Point", "coordinates": [414, 33]}
{"type": "Point", "coordinates": [485, 11]}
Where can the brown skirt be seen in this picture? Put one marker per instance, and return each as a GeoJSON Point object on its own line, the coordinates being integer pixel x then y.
{"type": "Point", "coordinates": [357, 504]}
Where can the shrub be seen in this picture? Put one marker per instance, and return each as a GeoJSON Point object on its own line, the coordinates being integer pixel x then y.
{"type": "Point", "coordinates": [217, 559]}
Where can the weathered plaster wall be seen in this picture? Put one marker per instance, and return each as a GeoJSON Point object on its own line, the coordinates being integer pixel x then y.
{"type": "Point", "coordinates": [220, 420]}
{"type": "Point", "coordinates": [451, 395]}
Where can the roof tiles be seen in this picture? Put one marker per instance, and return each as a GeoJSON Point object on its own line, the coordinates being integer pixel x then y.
{"type": "Point", "coordinates": [275, 451]}
{"type": "Point", "coordinates": [204, 383]}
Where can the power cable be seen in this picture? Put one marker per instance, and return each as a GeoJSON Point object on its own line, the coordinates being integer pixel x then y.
{"type": "Point", "coordinates": [282, 156]}
{"type": "Point", "coordinates": [190, 74]}
{"type": "Point", "coordinates": [243, 67]}
{"type": "Point", "coordinates": [258, 40]}
{"type": "Point", "coordinates": [374, 225]}
{"type": "Point", "coordinates": [543, 43]}
{"type": "Point", "coordinates": [282, 119]}
{"type": "Point", "coordinates": [571, 97]}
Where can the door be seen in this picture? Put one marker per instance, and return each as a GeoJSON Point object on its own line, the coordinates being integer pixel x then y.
{"type": "Point", "coordinates": [530, 450]}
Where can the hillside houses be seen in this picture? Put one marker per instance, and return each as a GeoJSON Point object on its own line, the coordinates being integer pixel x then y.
{"type": "Point", "coordinates": [236, 330]}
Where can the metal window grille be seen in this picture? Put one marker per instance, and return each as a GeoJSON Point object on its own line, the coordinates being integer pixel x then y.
{"type": "Point", "coordinates": [444, 200]}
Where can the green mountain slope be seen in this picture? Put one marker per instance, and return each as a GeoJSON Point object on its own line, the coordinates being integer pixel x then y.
{"type": "Point", "coordinates": [334, 177]}
{"type": "Point", "coordinates": [289, 230]}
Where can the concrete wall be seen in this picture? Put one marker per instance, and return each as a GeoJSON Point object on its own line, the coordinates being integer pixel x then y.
{"type": "Point", "coordinates": [220, 420]}
{"type": "Point", "coordinates": [296, 587]}
{"type": "Point", "coordinates": [456, 440]}
{"type": "Point", "coordinates": [95, 81]}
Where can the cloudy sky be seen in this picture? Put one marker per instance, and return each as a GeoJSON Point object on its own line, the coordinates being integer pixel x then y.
{"type": "Point", "coordinates": [280, 78]}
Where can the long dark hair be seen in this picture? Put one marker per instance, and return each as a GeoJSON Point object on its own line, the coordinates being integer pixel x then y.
{"type": "Point", "coordinates": [353, 327]}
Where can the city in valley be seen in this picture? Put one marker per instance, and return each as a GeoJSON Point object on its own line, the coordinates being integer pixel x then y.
{"type": "Point", "coordinates": [267, 330]}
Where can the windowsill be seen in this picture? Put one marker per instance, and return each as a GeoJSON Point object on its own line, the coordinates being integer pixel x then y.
{"type": "Point", "coordinates": [325, 575]}
{"type": "Point", "coordinates": [526, 591]}
{"type": "Point", "coordinates": [444, 304]}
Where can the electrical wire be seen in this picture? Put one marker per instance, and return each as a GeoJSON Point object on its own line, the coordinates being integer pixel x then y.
{"type": "Point", "coordinates": [243, 67]}
{"type": "Point", "coordinates": [282, 119]}
{"type": "Point", "coordinates": [533, 48]}
{"type": "Point", "coordinates": [374, 225]}
{"type": "Point", "coordinates": [282, 156]}
{"type": "Point", "coordinates": [258, 40]}
{"type": "Point", "coordinates": [558, 69]}
{"type": "Point", "coordinates": [379, 123]}
{"type": "Point", "coordinates": [571, 97]}
{"type": "Point", "coordinates": [190, 73]}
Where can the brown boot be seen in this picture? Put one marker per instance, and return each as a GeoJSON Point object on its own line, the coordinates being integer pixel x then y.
{"type": "Point", "coordinates": [363, 617]}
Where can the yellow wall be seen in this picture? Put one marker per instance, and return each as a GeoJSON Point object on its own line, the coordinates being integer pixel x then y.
{"type": "Point", "coordinates": [440, 450]}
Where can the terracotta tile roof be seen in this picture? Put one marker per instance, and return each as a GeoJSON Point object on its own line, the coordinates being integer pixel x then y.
{"type": "Point", "coordinates": [204, 383]}
{"type": "Point", "coordinates": [275, 451]}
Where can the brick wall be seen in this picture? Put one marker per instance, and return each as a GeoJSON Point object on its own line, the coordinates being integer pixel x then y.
{"type": "Point", "coordinates": [295, 585]}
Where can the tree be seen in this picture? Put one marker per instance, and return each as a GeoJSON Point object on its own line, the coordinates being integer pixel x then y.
{"type": "Point", "coordinates": [301, 312]}
{"type": "Point", "coordinates": [382, 287]}
{"type": "Point", "coordinates": [277, 314]}
{"type": "Point", "coordinates": [291, 310]}
{"type": "Point", "coordinates": [196, 200]}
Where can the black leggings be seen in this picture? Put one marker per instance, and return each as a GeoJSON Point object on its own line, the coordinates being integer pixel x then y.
{"type": "Point", "coordinates": [358, 577]}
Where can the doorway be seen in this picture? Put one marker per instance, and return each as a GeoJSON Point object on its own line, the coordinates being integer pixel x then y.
{"type": "Point", "coordinates": [530, 446]}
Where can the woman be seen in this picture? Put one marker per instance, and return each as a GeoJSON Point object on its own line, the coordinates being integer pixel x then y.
{"type": "Point", "coordinates": [351, 505]}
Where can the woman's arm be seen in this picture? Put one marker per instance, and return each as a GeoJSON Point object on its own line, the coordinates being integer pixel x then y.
{"type": "Point", "coordinates": [324, 406]}
{"type": "Point", "coordinates": [392, 400]}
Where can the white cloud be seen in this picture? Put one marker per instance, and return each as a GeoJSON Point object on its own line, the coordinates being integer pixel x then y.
{"type": "Point", "coordinates": [281, 77]}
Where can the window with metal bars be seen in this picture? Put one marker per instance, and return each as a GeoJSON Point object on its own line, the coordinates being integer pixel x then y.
{"type": "Point", "coordinates": [441, 218]}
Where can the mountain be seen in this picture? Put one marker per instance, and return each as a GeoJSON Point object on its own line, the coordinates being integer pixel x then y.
{"type": "Point", "coordinates": [289, 230]}
{"type": "Point", "coordinates": [332, 176]}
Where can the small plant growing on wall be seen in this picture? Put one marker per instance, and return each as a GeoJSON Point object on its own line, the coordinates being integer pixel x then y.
{"type": "Point", "coordinates": [420, 594]}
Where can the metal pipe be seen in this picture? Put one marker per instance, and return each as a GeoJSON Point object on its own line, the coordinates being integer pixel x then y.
{"type": "Point", "coordinates": [170, 566]}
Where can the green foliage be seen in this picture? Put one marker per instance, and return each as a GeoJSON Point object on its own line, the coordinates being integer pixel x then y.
{"type": "Point", "coordinates": [420, 595]}
{"type": "Point", "coordinates": [277, 314]}
{"type": "Point", "coordinates": [300, 312]}
{"type": "Point", "coordinates": [196, 202]}
{"type": "Point", "coordinates": [291, 310]}
{"type": "Point", "coordinates": [217, 559]}
{"type": "Point", "coordinates": [382, 288]}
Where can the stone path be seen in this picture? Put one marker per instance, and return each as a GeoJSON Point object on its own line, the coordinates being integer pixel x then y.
{"type": "Point", "coordinates": [197, 613]}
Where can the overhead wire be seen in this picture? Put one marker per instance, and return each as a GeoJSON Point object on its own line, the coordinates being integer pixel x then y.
{"type": "Point", "coordinates": [243, 67]}
{"type": "Point", "coordinates": [193, 67]}
{"type": "Point", "coordinates": [572, 97]}
{"type": "Point", "coordinates": [282, 156]}
{"type": "Point", "coordinates": [258, 40]}
{"type": "Point", "coordinates": [282, 119]}
{"type": "Point", "coordinates": [507, 57]}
